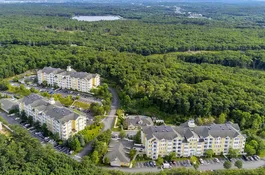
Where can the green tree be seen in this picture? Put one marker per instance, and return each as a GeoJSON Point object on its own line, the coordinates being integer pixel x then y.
{"type": "Point", "coordinates": [221, 118]}
{"type": "Point", "coordinates": [120, 112]}
{"type": "Point", "coordinates": [56, 137]}
{"type": "Point", "coordinates": [44, 129]}
{"type": "Point", "coordinates": [254, 143]}
{"type": "Point", "coordinates": [209, 153]}
{"type": "Point", "coordinates": [122, 134]}
{"type": "Point", "coordinates": [233, 152]}
{"type": "Point", "coordinates": [262, 134]}
{"type": "Point", "coordinates": [125, 125]}
{"type": "Point", "coordinates": [95, 157]}
{"type": "Point", "coordinates": [227, 164]}
{"type": "Point", "coordinates": [137, 137]}
{"type": "Point", "coordinates": [106, 161]}
{"type": "Point", "coordinates": [239, 164]}
{"type": "Point", "coordinates": [250, 150]}
{"type": "Point", "coordinates": [132, 153]}
{"type": "Point", "coordinates": [172, 156]}
{"type": "Point", "coordinates": [45, 83]}
{"type": "Point", "coordinates": [159, 161]}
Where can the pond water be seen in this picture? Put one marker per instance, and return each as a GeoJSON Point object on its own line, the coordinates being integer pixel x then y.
{"type": "Point", "coordinates": [96, 18]}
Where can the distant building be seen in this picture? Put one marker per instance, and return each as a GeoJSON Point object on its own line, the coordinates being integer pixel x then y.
{"type": "Point", "coordinates": [69, 79]}
{"type": "Point", "coordinates": [58, 119]}
{"type": "Point", "coordinates": [188, 139]}
{"type": "Point", "coordinates": [137, 121]}
{"type": "Point", "coordinates": [8, 104]}
{"type": "Point", "coordinates": [118, 153]}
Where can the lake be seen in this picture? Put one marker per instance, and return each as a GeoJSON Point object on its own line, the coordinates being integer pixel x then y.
{"type": "Point", "coordinates": [96, 18]}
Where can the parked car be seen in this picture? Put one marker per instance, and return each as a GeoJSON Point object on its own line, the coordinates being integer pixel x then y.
{"type": "Point", "coordinates": [216, 160]}
{"type": "Point", "coordinates": [250, 158]}
{"type": "Point", "coordinates": [201, 161]}
{"type": "Point", "coordinates": [188, 163]}
{"type": "Point", "coordinates": [257, 157]}
{"type": "Point", "coordinates": [17, 118]}
{"type": "Point", "coordinates": [245, 158]}
{"type": "Point", "coordinates": [151, 164]}
{"type": "Point", "coordinates": [154, 163]}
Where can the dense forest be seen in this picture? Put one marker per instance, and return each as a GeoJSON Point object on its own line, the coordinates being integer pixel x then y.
{"type": "Point", "coordinates": [22, 154]}
{"type": "Point", "coordinates": [162, 63]}
{"type": "Point", "coordinates": [217, 69]}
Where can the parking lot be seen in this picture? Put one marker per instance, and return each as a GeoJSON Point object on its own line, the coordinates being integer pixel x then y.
{"type": "Point", "coordinates": [208, 164]}
{"type": "Point", "coordinates": [39, 135]}
{"type": "Point", "coordinates": [45, 140]}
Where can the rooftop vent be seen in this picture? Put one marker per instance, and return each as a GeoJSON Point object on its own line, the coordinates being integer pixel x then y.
{"type": "Point", "coordinates": [52, 101]}
{"type": "Point", "coordinates": [69, 69]}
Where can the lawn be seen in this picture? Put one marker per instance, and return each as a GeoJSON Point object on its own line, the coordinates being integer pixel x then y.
{"type": "Point", "coordinates": [80, 104]}
{"type": "Point", "coordinates": [91, 132]}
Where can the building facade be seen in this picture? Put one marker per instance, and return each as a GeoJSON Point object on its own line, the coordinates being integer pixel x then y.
{"type": "Point", "coordinates": [68, 79]}
{"type": "Point", "coordinates": [58, 119]}
{"type": "Point", "coordinates": [191, 140]}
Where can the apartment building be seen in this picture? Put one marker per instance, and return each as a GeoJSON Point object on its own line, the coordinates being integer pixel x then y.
{"type": "Point", "coordinates": [188, 139]}
{"type": "Point", "coordinates": [58, 119]}
{"type": "Point", "coordinates": [68, 79]}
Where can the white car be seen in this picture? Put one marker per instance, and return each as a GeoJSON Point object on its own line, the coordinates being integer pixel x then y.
{"type": "Point", "coordinates": [216, 160]}
{"type": "Point", "coordinates": [17, 118]}
{"type": "Point", "coordinates": [201, 161]}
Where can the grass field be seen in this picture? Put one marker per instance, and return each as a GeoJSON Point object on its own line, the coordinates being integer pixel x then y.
{"type": "Point", "coordinates": [82, 105]}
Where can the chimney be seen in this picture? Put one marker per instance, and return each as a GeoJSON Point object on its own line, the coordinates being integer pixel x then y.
{"type": "Point", "coordinates": [69, 69]}
{"type": "Point", "coordinates": [52, 101]}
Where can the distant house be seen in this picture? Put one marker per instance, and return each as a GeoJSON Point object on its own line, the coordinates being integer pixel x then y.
{"type": "Point", "coordinates": [135, 121]}
{"type": "Point", "coordinates": [118, 153]}
{"type": "Point", "coordinates": [8, 104]}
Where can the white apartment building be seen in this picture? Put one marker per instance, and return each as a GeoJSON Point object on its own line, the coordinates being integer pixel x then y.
{"type": "Point", "coordinates": [188, 139]}
{"type": "Point", "coordinates": [58, 119]}
{"type": "Point", "coordinates": [69, 79]}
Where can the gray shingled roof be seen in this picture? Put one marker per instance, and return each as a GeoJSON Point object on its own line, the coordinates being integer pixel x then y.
{"type": "Point", "coordinates": [160, 132]}
{"type": "Point", "coordinates": [135, 120]}
{"type": "Point", "coordinates": [215, 130]}
{"type": "Point", "coordinates": [118, 149]}
{"type": "Point", "coordinates": [72, 73]}
{"type": "Point", "coordinates": [56, 111]}
{"type": "Point", "coordinates": [8, 104]}
{"type": "Point", "coordinates": [49, 70]}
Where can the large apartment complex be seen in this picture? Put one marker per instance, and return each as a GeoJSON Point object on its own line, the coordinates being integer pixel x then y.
{"type": "Point", "coordinates": [58, 119]}
{"type": "Point", "coordinates": [188, 139]}
{"type": "Point", "coordinates": [68, 79]}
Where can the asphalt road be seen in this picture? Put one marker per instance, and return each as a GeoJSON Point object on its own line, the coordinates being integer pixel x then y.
{"type": "Point", "coordinates": [10, 120]}
{"type": "Point", "coordinates": [108, 122]}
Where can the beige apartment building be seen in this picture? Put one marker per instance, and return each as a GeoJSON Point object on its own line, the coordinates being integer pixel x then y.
{"type": "Point", "coordinates": [68, 79]}
{"type": "Point", "coordinates": [58, 119]}
{"type": "Point", "coordinates": [188, 139]}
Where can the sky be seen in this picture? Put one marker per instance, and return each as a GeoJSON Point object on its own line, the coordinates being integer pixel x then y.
{"type": "Point", "coordinates": [58, 1]}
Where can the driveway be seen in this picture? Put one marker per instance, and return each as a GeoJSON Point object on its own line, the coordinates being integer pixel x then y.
{"type": "Point", "coordinates": [10, 120]}
{"type": "Point", "coordinates": [109, 120]}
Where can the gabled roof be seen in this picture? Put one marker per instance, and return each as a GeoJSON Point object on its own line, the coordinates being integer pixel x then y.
{"type": "Point", "coordinates": [8, 104]}
{"type": "Point", "coordinates": [139, 120]}
{"type": "Point", "coordinates": [56, 111]}
{"type": "Point", "coordinates": [118, 149]}
{"type": "Point", "coordinates": [214, 130]}
{"type": "Point", "coordinates": [72, 73]}
{"type": "Point", "coordinates": [160, 132]}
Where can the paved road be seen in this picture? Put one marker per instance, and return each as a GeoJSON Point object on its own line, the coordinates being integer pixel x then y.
{"type": "Point", "coordinates": [246, 165]}
{"type": "Point", "coordinates": [10, 120]}
{"type": "Point", "coordinates": [108, 122]}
